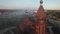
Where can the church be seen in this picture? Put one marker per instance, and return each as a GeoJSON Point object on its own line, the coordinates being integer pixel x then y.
{"type": "Point", "coordinates": [40, 24]}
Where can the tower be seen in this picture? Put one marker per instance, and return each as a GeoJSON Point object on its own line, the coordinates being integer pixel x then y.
{"type": "Point", "coordinates": [40, 27]}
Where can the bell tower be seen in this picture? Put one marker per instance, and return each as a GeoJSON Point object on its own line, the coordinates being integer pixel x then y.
{"type": "Point", "coordinates": [40, 26]}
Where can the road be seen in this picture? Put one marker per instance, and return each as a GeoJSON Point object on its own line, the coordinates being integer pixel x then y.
{"type": "Point", "coordinates": [6, 29]}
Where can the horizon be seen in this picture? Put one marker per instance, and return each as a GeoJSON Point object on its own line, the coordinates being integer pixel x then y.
{"type": "Point", "coordinates": [29, 4]}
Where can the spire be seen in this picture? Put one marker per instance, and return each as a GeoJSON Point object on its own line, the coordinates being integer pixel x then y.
{"type": "Point", "coordinates": [41, 12]}
{"type": "Point", "coordinates": [41, 27]}
{"type": "Point", "coordinates": [41, 1]}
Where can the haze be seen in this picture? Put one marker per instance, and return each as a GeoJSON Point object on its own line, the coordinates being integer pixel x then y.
{"type": "Point", "coordinates": [29, 4]}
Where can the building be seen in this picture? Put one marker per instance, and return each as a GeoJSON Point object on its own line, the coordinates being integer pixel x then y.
{"type": "Point", "coordinates": [40, 25]}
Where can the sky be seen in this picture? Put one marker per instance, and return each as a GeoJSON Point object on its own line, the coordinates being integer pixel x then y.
{"type": "Point", "coordinates": [29, 4]}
